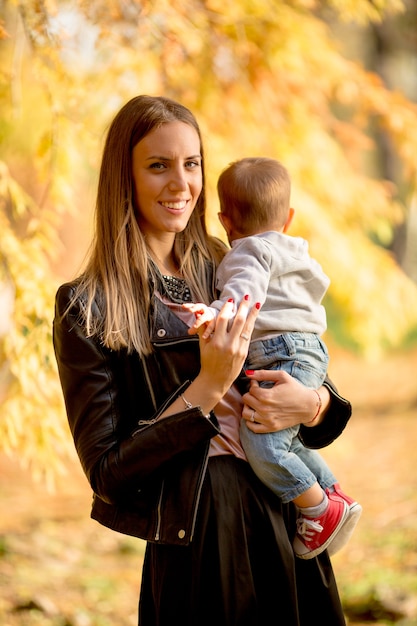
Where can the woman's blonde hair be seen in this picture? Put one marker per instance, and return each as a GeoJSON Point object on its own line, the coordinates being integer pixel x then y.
{"type": "Point", "coordinates": [117, 284]}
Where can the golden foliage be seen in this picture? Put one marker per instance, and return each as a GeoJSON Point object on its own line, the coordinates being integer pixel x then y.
{"type": "Point", "coordinates": [29, 388]}
{"type": "Point", "coordinates": [263, 77]}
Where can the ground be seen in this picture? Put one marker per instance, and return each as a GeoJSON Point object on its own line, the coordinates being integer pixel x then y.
{"type": "Point", "coordinates": [59, 568]}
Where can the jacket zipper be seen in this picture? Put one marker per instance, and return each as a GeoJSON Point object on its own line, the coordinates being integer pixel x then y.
{"type": "Point", "coordinates": [174, 341]}
{"type": "Point", "coordinates": [158, 512]}
{"type": "Point", "coordinates": [203, 467]}
{"type": "Point", "coordinates": [200, 487]}
{"type": "Point", "coordinates": [174, 395]}
{"type": "Point", "coordinates": [148, 382]}
{"type": "Point", "coordinates": [145, 423]}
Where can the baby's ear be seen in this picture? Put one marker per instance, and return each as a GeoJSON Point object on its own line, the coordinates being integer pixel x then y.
{"type": "Point", "coordinates": [226, 222]}
{"type": "Point", "coordinates": [287, 224]}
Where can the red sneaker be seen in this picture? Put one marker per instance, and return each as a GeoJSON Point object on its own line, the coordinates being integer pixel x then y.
{"type": "Point", "coordinates": [315, 534]}
{"type": "Point", "coordinates": [352, 518]}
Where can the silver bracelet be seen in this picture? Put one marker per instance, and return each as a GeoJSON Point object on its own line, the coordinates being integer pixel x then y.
{"type": "Point", "coordinates": [188, 405]}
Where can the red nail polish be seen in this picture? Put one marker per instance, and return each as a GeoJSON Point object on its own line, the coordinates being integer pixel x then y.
{"type": "Point", "coordinates": [246, 297]}
{"type": "Point", "coordinates": [249, 372]}
{"type": "Point", "coordinates": [258, 305]}
{"type": "Point", "coordinates": [230, 300]}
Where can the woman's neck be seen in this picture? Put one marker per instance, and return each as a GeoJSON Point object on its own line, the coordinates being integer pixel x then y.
{"type": "Point", "coordinates": [165, 261]}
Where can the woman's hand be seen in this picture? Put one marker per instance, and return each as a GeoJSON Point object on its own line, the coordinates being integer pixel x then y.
{"type": "Point", "coordinates": [287, 403]}
{"type": "Point", "coordinates": [222, 356]}
{"type": "Point", "coordinates": [224, 351]}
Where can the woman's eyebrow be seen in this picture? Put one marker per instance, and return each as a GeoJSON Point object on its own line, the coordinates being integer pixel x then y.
{"type": "Point", "coordinates": [165, 158]}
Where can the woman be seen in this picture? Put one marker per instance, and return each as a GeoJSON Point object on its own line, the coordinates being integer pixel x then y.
{"type": "Point", "coordinates": [154, 412]}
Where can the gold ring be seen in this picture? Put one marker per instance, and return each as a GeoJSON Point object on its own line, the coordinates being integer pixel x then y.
{"type": "Point", "coordinates": [245, 337]}
{"type": "Point", "coordinates": [252, 417]}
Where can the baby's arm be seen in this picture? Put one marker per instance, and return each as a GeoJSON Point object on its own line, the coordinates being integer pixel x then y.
{"type": "Point", "coordinates": [204, 316]}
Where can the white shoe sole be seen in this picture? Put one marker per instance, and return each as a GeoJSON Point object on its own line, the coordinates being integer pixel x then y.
{"type": "Point", "coordinates": [346, 531]}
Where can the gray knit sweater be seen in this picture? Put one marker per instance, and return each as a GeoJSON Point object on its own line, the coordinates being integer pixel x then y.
{"type": "Point", "coordinates": [277, 271]}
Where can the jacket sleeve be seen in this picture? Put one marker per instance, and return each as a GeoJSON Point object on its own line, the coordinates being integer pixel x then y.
{"type": "Point", "coordinates": [333, 424]}
{"type": "Point", "coordinates": [116, 460]}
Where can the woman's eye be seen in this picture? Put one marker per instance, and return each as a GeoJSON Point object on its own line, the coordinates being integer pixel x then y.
{"type": "Point", "coordinates": [157, 166]}
{"type": "Point", "coordinates": [191, 164]}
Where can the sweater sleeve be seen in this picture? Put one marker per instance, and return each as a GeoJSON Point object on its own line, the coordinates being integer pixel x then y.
{"type": "Point", "coordinates": [115, 459]}
{"type": "Point", "coordinates": [245, 270]}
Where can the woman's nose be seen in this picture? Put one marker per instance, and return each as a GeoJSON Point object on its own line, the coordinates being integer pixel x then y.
{"type": "Point", "coordinates": [178, 181]}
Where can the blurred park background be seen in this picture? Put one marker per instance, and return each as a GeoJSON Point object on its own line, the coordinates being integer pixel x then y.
{"type": "Point", "coordinates": [327, 87]}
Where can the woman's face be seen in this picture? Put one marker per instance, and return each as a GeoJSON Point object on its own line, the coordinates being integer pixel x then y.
{"type": "Point", "coordinates": [167, 175]}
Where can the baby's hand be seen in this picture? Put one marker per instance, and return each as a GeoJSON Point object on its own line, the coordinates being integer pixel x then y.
{"type": "Point", "coordinates": [204, 317]}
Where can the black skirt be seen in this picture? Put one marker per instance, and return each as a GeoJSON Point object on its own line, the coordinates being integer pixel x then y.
{"type": "Point", "coordinates": [240, 569]}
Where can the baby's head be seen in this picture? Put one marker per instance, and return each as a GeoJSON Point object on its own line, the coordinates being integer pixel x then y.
{"type": "Point", "coordinates": [254, 196]}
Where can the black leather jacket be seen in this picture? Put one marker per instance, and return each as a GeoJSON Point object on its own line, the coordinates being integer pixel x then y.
{"type": "Point", "coordinates": [146, 474]}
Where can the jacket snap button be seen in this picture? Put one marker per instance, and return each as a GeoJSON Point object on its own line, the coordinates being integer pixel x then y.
{"type": "Point", "coordinates": [181, 534]}
{"type": "Point", "coordinates": [161, 332]}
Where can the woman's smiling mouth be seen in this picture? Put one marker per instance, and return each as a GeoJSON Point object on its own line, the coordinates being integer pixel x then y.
{"type": "Point", "coordinates": [177, 206]}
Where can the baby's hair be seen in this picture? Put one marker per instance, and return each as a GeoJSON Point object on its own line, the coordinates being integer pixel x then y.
{"type": "Point", "coordinates": [255, 193]}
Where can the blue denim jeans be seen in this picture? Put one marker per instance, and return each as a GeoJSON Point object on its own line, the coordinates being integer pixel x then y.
{"type": "Point", "coordinates": [279, 459]}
